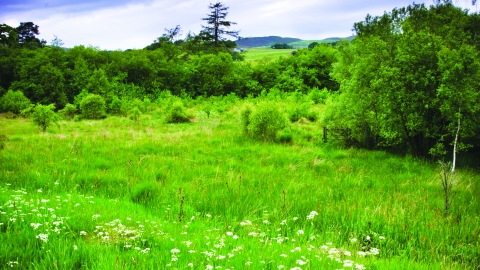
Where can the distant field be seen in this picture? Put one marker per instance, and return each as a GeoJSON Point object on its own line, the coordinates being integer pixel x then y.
{"type": "Point", "coordinates": [305, 43]}
{"type": "Point", "coordinates": [254, 54]}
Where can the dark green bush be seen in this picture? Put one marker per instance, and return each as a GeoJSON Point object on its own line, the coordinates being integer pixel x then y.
{"type": "Point", "coordinates": [176, 113]}
{"type": "Point", "coordinates": [115, 106]}
{"type": "Point", "coordinates": [68, 112]}
{"type": "Point", "coordinates": [14, 102]}
{"type": "Point", "coordinates": [245, 119]}
{"type": "Point", "coordinates": [93, 107]}
{"type": "Point", "coordinates": [265, 121]}
{"type": "Point", "coordinates": [284, 136]}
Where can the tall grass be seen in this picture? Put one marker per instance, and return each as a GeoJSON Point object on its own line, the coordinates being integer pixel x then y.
{"type": "Point", "coordinates": [118, 193]}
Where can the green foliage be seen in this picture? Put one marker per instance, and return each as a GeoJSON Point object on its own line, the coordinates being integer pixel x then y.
{"type": "Point", "coordinates": [116, 106]}
{"type": "Point", "coordinates": [93, 107]}
{"type": "Point", "coordinates": [281, 46]}
{"type": "Point", "coordinates": [297, 111]}
{"type": "Point", "coordinates": [245, 119]}
{"type": "Point", "coordinates": [284, 136]}
{"type": "Point", "coordinates": [14, 102]}
{"type": "Point", "coordinates": [265, 121]}
{"type": "Point", "coordinates": [176, 113]}
{"type": "Point", "coordinates": [135, 113]}
{"type": "Point", "coordinates": [318, 96]}
{"type": "Point", "coordinates": [69, 111]}
{"type": "Point", "coordinates": [44, 116]}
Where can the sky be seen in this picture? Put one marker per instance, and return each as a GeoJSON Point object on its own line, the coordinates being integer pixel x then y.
{"type": "Point", "coordinates": [128, 24]}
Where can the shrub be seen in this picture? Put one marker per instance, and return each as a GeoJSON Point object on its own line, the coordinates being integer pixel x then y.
{"type": "Point", "coordinates": [177, 113]}
{"type": "Point", "coordinates": [44, 116]}
{"type": "Point", "coordinates": [296, 112]}
{"type": "Point", "coordinates": [245, 119]}
{"type": "Point", "coordinates": [14, 102]}
{"type": "Point", "coordinates": [135, 114]}
{"type": "Point", "coordinates": [265, 121]}
{"type": "Point", "coordinates": [68, 112]}
{"type": "Point", "coordinates": [93, 107]}
{"type": "Point", "coordinates": [115, 106]}
{"type": "Point", "coordinates": [284, 136]}
{"type": "Point", "coordinates": [318, 96]}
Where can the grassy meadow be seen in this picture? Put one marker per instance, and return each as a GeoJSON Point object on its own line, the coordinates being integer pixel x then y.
{"type": "Point", "coordinates": [124, 194]}
{"type": "Point", "coordinates": [255, 54]}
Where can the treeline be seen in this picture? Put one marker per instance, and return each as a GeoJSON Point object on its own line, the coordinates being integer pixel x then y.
{"type": "Point", "coordinates": [53, 75]}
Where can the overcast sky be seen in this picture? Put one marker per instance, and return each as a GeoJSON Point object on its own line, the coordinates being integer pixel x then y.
{"type": "Point", "coordinates": [126, 24]}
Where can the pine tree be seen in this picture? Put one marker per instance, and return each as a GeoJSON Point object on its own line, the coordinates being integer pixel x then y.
{"type": "Point", "coordinates": [217, 26]}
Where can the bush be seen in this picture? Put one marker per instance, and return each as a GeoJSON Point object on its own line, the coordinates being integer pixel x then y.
{"type": "Point", "coordinates": [318, 96]}
{"type": "Point", "coordinates": [245, 119]}
{"type": "Point", "coordinates": [298, 111]}
{"type": "Point", "coordinates": [265, 121]}
{"type": "Point", "coordinates": [68, 112]}
{"type": "Point", "coordinates": [177, 113]}
{"type": "Point", "coordinates": [14, 102]}
{"type": "Point", "coordinates": [93, 107]}
{"type": "Point", "coordinates": [284, 136]}
{"type": "Point", "coordinates": [115, 106]}
{"type": "Point", "coordinates": [44, 116]}
{"type": "Point", "coordinates": [135, 113]}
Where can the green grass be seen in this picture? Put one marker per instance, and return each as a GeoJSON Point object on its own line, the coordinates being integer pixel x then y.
{"type": "Point", "coordinates": [256, 54]}
{"type": "Point", "coordinates": [116, 193]}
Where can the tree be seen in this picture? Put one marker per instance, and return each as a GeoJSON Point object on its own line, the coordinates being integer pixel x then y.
{"type": "Point", "coordinates": [56, 42]}
{"type": "Point", "coordinates": [44, 116]}
{"type": "Point", "coordinates": [217, 26]}
{"type": "Point", "coordinates": [8, 35]}
{"type": "Point", "coordinates": [26, 35]}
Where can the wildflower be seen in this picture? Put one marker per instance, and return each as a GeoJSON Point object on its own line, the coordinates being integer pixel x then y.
{"type": "Point", "coordinates": [347, 263]}
{"type": "Point", "coordinates": [43, 237]}
{"type": "Point", "coordinates": [283, 255]}
{"type": "Point", "coordinates": [381, 237]}
{"type": "Point", "coordinates": [295, 218]}
{"type": "Point", "coordinates": [83, 233]}
{"type": "Point", "coordinates": [190, 265]}
{"type": "Point", "coordinates": [208, 215]}
{"type": "Point", "coordinates": [283, 222]}
{"type": "Point", "coordinates": [39, 190]}
{"type": "Point", "coordinates": [300, 232]}
{"type": "Point", "coordinates": [229, 233]}
{"type": "Point", "coordinates": [359, 266]}
{"type": "Point", "coordinates": [281, 266]}
{"type": "Point", "coordinates": [312, 215]}
{"type": "Point", "coordinates": [208, 267]}
{"type": "Point", "coordinates": [174, 259]}
{"type": "Point", "coordinates": [248, 263]}
{"type": "Point", "coordinates": [75, 247]}
{"type": "Point", "coordinates": [95, 216]}
{"type": "Point", "coordinates": [300, 262]}
{"type": "Point", "coordinates": [175, 250]}
{"type": "Point", "coordinates": [353, 240]}
{"type": "Point", "coordinates": [266, 222]}
{"type": "Point", "coordinates": [245, 223]}
{"type": "Point", "coordinates": [374, 251]}
{"type": "Point", "coordinates": [235, 237]}
{"type": "Point", "coordinates": [220, 257]}
{"type": "Point", "coordinates": [35, 225]}
{"type": "Point", "coordinates": [361, 254]}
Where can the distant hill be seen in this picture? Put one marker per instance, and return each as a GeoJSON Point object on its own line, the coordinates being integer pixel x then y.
{"type": "Point", "coordinates": [264, 41]}
{"type": "Point", "coordinates": [295, 42]}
